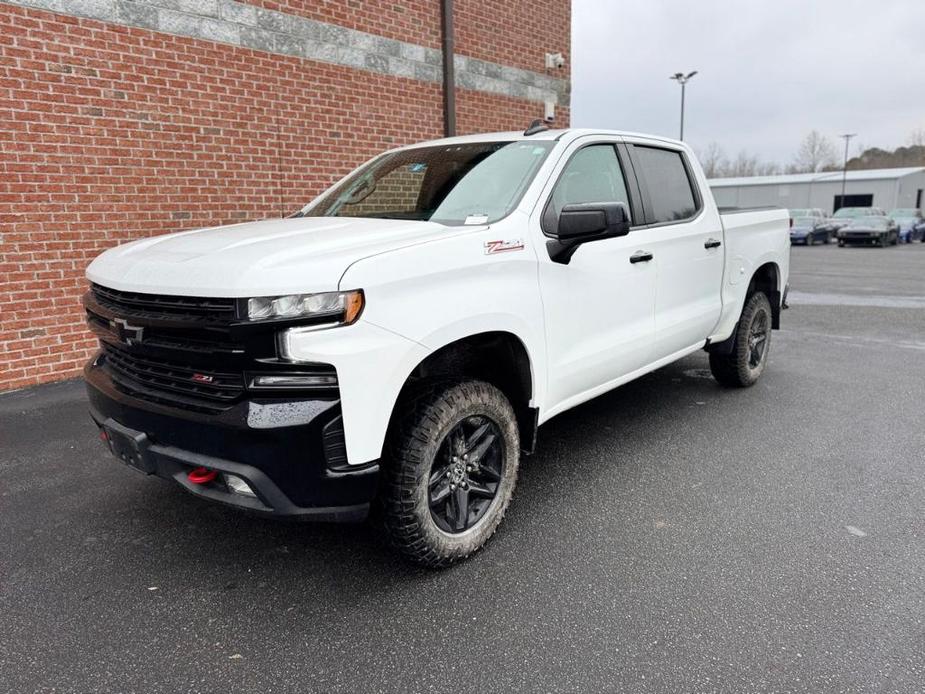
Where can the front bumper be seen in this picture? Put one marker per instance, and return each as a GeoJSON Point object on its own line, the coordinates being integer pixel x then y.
{"type": "Point", "coordinates": [862, 237]}
{"type": "Point", "coordinates": [281, 447]}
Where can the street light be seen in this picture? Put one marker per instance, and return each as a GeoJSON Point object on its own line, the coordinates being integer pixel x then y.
{"type": "Point", "coordinates": [682, 79]}
{"type": "Point", "coordinates": [844, 169]}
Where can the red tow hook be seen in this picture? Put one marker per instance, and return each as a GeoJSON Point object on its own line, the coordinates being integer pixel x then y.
{"type": "Point", "coordinates": [202, 475]}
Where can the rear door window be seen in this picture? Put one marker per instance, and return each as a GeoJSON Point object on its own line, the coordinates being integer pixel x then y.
{"type": "Point", "coordinates": [670, 193]}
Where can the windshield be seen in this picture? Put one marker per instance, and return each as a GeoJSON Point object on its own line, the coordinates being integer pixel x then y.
{"type": "Point", "coordinates": [799, 213]}
{"type": "Point", "coordinates": [803, 222]}
{"type": "Point", "coordinates": [852, 212]}
{"type": "Point", "coordinates": [874, 222]}
{"type": "Point", "coordinates": [473, 183]}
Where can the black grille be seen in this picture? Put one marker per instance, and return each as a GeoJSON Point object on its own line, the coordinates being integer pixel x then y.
{"type": "Point", "coordinates": [157, 306]}
{"type": "Point", "coordinates": [170, 382]}
{"type": "Point", "coordinates": [187, 352]}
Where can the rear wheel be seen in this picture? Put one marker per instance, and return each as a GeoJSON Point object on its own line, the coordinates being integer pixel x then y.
{"type": "Point", "coordinates": [746, 362]}
{"type": "Point", "coordinates": [451, 472]}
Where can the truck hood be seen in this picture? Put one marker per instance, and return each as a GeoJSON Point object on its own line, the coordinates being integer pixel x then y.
{"type": "Point", "coordinates": [277, 256]}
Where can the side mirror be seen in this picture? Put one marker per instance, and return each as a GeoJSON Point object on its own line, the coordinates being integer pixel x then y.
{"type": "Point", "coordinates": [584, 222]}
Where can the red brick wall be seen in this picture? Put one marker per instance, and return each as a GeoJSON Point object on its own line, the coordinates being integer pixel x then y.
{"type": "Point", "coordinates": [483, 112]}
{"type": "Point", "coordinates": [110, 133]}
{"type": "Point", "coordinates": [514, 33]}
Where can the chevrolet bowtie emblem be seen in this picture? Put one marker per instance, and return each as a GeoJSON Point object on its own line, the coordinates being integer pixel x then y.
{"type": "Point", "coordinates": [129, 334]}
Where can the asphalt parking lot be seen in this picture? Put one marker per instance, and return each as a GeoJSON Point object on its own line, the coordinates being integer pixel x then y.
{"type": "Point", "coordinates": [669, 536]}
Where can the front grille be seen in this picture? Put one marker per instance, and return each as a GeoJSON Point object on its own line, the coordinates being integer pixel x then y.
{"type": "Point", "coordinates": [197, 388]}
{"type": "Point", "coordinates": [187, 352]}
{"type": "Point", "coordinates": [157, 306]}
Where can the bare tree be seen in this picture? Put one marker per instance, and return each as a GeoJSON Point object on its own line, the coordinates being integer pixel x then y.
{"type": "Point", "coordinates": [815, 154]}
{"type": "Point", "coordinates": [744, 164]}
{"type": "Point", "coordinates": [917, 138]}
{"type": "Point", "coordinates": [767, 168]}
{"type": "Point", "coordinates": [713, 160]}
{"type": "Point", "coordinates": [717, 165]}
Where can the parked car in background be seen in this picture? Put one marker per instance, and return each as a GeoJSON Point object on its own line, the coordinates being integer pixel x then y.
{"type": "Point", "coordinates": [844, 215]}
{"type": "Point", "coordinates": [911, 224]}
{"type": "Point", "coordinates": [809, 230]}
{"type": "Point", "coordinates": [869, 231]}
{"type": "Point", "coordinates": [814, 212]}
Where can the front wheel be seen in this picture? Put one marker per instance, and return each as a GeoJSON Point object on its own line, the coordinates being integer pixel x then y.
{"type": "Point", "coordinates": [451, 472]}
{"type": "Point", "coordinates": [746, 362]}
{"type": "Point", "coordinates": [810, 240]}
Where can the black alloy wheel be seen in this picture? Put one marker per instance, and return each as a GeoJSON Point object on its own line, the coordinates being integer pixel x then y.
{"type": "Point", "coordinates": [758, 335]}
{"type": "Point", "coordinates": [466, 473]}
{"type": "Point", "coordinates": [450, 471]}
{"type": "Point", "coordinates": [743, 365]}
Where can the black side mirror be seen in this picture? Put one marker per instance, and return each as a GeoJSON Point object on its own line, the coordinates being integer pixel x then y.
{"type": "Point", "coordinates": [583, 222]}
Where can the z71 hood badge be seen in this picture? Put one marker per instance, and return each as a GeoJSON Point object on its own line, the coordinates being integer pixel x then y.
{"type": "Point", "coordinates": [502, 246]}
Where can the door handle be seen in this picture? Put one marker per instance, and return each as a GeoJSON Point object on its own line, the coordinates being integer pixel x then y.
{"type": "Point", "coordinates": [640, 257]}
{"type": "Point", "coordinates": [712, 243]}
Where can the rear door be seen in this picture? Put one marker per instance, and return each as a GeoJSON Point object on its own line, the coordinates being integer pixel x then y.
{"type": "Point", "coordinates": [599, 307]}
{"type": "Point", "coordinates": [686, 240]}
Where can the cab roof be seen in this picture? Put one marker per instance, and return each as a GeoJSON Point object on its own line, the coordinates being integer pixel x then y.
{"type": "Point", "coordinates": [545, 135]}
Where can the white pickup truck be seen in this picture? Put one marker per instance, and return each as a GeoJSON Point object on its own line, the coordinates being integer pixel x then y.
{"type": "Point", "coordinates": [402, 337]}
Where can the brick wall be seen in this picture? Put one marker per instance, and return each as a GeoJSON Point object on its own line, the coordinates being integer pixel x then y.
{"type": "Point", "coordinates": [514, 33]}
{"type": "Point", "coordinates": [110, 132]}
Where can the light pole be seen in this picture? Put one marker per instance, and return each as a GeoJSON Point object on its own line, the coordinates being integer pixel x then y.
{"type": "Point", "coordinates": [682, 79]}
{"type": "Point", "coordinates": [844, 169]}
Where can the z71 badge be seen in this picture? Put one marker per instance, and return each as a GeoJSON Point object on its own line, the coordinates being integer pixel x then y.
{"type": "Point", "coordinates": [503, 246]}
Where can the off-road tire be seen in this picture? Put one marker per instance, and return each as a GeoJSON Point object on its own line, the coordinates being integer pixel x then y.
{"type": "Point", "coordinates": [424, 422]}
{"type": "Point", "coordinates": [734, 370]}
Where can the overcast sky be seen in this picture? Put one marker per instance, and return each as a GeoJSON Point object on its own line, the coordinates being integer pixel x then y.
{"type": "Point", "coordinates": [769, 70]}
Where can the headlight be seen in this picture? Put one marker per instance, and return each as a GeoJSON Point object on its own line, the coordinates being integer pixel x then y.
{"type": "Point", "coordinates": [337, 308]}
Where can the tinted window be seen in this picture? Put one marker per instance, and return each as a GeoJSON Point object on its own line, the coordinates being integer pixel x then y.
{"type": "Point", "coordinates": [593, 174]}
{"type": "Point", "coordinates": [665, 176]}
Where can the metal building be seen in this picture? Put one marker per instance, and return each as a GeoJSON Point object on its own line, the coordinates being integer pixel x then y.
{"type": "Point", "coordinates": [886, 188]}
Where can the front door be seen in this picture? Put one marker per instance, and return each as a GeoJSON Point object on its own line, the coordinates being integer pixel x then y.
{"type": "Point", "coordinates": [599, 307]}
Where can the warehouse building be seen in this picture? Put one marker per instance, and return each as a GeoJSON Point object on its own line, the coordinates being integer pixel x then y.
{"type": "Point", "coordinates": [121, 119]}
{"type": "Point", "coordinates": [886, 188]}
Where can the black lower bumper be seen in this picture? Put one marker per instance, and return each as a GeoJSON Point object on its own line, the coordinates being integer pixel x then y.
{"type": "Point", "coordinates": [276, 446]}
{"type": "Point", "coordinates": [862, 239]}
